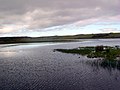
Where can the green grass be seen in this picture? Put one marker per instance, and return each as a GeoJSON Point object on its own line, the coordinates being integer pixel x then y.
{"type": "Point", "coordinates": [110, 53]}
{"type": "Point", "coordinates": [82, 51]}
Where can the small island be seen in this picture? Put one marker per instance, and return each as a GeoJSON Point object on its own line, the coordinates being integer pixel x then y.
{"type": "Point", "coordinates": [104, 52]}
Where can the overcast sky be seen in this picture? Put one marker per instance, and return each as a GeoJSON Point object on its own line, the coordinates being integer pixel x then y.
{"type": "Point", "coordinates": [58, 17]}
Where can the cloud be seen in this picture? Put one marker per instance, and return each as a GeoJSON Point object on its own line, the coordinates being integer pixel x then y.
{"type": "Point", "coordinates": [11, 28]}
{"type": "Point", "coordinates": [108, 30]}
{"type": "Point", "coordinates": [42, 14]}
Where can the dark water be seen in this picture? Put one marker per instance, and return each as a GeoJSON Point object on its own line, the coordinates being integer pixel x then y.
{"type": "Point", "coordinates": [37, 67]}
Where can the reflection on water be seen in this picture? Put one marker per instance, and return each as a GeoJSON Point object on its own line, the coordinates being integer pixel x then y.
{"type": "Point", "coordinates": [106, 64]}
{"type": "Point", "coordinates": [36, 67]}
{"type": "Point", "coordinates": [7, 53]}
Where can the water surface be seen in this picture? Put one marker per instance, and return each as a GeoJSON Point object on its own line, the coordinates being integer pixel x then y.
{"type": "Point", "coordinates": [37, 67]}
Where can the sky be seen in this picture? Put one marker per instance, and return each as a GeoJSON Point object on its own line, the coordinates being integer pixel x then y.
{"type": "Point", "coordinates": [37, 18]}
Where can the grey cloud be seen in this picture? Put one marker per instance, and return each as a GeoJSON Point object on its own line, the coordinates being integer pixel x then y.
{"type": "Point", "coordinates": [38, 14]}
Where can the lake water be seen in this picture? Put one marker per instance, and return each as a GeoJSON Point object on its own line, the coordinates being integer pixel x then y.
{"type": "Point", "coordinates": [36, 67]}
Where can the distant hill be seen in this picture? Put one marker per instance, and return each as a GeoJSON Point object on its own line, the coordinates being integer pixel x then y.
{"type": "Point", "coordinates": [6, 40]}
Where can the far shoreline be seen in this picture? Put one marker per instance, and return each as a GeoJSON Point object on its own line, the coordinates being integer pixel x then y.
{"type": "Point", "coordinates": [67, 38]}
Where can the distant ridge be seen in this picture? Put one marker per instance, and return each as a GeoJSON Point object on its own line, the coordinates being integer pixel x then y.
{"type": "Point", "coordinates": [25, 39]}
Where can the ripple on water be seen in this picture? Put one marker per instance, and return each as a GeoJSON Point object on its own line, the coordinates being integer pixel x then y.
{"type": "Point", "coordinates": [40, 68]}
